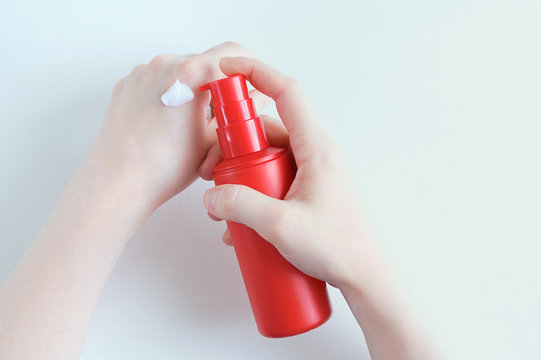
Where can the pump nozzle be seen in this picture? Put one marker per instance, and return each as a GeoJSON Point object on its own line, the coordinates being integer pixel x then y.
{"type": "Point", "coordinates": [240, 130]}
{"type": "Point", "coordinates": [228, 90]}
{"type": "Point", "coordinates": [231, 101]}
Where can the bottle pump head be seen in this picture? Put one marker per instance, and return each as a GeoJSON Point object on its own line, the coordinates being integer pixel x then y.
{"type": "Point", "coordinates": [240, 131]}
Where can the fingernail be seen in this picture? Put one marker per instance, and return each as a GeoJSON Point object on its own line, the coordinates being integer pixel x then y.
{"type": "Point", "coordinates": [225, 59]}
{"type": "Point", "coordinates": [210, 199]}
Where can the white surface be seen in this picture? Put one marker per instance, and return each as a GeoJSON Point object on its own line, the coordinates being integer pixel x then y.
{"type": "Point", "coordinates": [178, 94]}
{"type": "Point", "coordinates": [435, 103]}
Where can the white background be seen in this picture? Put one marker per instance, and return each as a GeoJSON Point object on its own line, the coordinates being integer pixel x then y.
{"type": "Point", "coordinates": [436, 105]}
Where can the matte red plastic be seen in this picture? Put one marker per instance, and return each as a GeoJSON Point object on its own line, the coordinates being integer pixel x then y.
{"type": "Point", "coordinates": [284, 300]}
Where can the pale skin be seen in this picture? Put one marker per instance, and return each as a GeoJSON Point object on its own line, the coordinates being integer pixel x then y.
{"type": "Point", "coordinates": [144, 154]}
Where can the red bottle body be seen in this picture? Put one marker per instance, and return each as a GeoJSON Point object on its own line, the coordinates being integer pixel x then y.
{"type": "Point", "coordinates": [284, 300]}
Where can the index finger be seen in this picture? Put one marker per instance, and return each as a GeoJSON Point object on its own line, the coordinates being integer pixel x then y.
{"type": "Point", "coordinates": [294, 109]}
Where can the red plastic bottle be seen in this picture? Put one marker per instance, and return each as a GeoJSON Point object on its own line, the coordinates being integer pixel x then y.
{"type": "Point", "coordinates": [284, 300]}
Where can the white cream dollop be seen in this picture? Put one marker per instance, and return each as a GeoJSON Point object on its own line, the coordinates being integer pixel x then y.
{"type": "Point", "coordinates": [178, 94]}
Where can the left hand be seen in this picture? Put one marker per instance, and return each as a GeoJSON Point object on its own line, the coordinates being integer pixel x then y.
{"type": "Point", "coordinates": [152, 150]}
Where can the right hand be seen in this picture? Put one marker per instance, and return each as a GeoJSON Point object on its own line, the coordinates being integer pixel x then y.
{"type": "Point", "coordinates": [317, 227]}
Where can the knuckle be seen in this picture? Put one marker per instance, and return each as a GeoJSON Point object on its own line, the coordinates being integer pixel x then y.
{"type": "Point", "coordinates": [232, 45]}
{"type": "Point", "coordinates": [138, 68]}
{"type": "Point", "coordinates": [291, 83]}
{"type": "Point", "coordinates": [328, 156]}
{"type": "Point", "coordinates": [189, 56]}
{"type": "Point", "coordinates": [118, 86]}
{"type": "Point", "coordinates": [158, 61]}
{"type": "Point", "coordinates": [188, 68]}
{"type": "Point", "coordinates": [226, 199]}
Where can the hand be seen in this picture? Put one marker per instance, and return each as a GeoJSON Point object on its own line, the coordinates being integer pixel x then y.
{"type": "Point", "coordinates": [144, 154]}
{"type": "Point", "coordinates": [317, 227]}
{"type": "Point", "coordinates": [154, 150]}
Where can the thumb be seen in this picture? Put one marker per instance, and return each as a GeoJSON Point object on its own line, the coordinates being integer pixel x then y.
{"type": "Point", "coordinates": [245, 205]}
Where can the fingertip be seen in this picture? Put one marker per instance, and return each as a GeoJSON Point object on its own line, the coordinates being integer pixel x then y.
{"type": "Point", "coordinates": [225, 59]}
{"type": "Point", "coordinates": [213, 158]}
{"type": "Point", "coordinates": [232, 65]}
{"type": "Point", "coordinates": [204, 172]}
{"type": "Point", "coordinates": [212, 217]}
{"type": "Point", "coordinates": [209, 199]}
{"type": "Point", "coordinates": [226, 238]}
{"type": "Point", "coordinates": [205, 176]}
{"type": "Point", "coordinates": [225, 63]}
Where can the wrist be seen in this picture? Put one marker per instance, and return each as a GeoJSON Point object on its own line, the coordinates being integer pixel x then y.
{"type": "Point", "coordinates": [110, 193]}
{"type": "Point", "coordinates": [367, 275]}
{"type": "Point", "coordinates": [149, 181]}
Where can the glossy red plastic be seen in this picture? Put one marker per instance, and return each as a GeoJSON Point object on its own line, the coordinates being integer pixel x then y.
{"type": "Point", "coordinates": [284, 300]}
